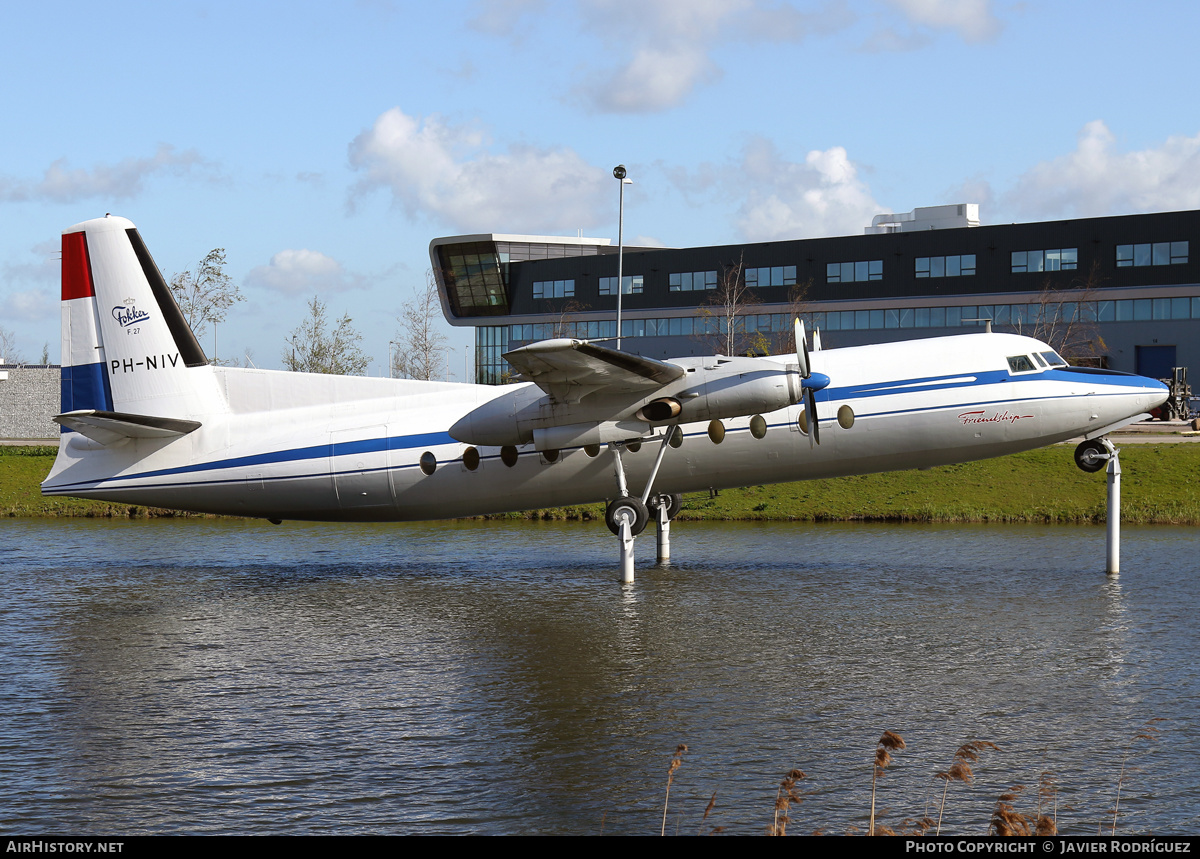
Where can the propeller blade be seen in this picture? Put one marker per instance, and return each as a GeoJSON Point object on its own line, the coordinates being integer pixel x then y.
{"type": "Point", "coordinates": [802, 350]}
{"type": "Point", "coordinates": [814, 422]}
{"type": "Point", "coordinates": [816, 340]}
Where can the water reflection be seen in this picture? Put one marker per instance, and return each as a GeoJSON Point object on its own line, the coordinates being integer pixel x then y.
{"type": "Point", "coordinates": [493, 677]}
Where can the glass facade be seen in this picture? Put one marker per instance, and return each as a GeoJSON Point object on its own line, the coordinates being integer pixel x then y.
{"type": "Point", "coordinates": [1152, 253]}
{"type": "Point", "coordinates": [476, 278]}
{"type": "Point", "coordinates": [554, 289]}
{"type": "Point", "coordinates": [962, 265]}
{"type": "Point", "coordinates": [632, 285]}
{"type": "Point", "coordinates": [691, 281]}
{"type": "Point", "coordinates": [779, 275]}
{"type": "Point", "coordinates": [852, 272]}
{"type": "Point", "coordinates": [1002, 316]}
{"type": "Point", "coordinates": [1056, 259]}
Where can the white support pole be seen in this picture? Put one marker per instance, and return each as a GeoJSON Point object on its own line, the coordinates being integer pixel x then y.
{"type": "Point", "coordinates": [626, 538]}
{"type": "Point", "coordinates": [664, 533]}
{"type": "Point", "coordinates": [1113, 541]}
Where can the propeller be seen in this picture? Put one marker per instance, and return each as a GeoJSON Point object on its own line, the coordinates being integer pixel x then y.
{"type": "Point", "coordinates": [810, 382]}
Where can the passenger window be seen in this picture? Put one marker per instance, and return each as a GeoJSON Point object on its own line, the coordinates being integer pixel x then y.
{"type": "Point", "coordinates": [1020, 364]}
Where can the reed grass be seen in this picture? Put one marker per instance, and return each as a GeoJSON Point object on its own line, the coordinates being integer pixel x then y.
{"type": "Point", "coordinates": [1014, 813]}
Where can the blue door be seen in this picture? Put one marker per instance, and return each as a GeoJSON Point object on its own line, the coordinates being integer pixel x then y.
{"type": "Point", "coordinates": [1155, 361]}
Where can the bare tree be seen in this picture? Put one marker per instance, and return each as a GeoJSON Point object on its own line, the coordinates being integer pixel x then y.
{"type": "Point", "coordinates": [1068, 319]}
{"type": "Point", "coordinates": [724, 312]}
{"type": "Point", "coordinates": [9, 353]}
{"type": "Point", "coordinates": [564, 326]}
{"type": "Point", "coordinates": [205, 296]}
{"type": "Point", "coordinates": [312, 348]}
{"type": "Point", "coordinates": [785, 340]}
{"type": "Point", "coordinates": [421, 347]}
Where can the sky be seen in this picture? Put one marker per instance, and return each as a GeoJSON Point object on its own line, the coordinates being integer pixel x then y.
{"type": "Point", "coordinates": [323, 145]}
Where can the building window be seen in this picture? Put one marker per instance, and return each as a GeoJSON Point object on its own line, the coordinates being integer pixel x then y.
{"type": "Point", "coordinates": [491, 341]}
{"type": "Point", "coordinates": [779, 275]}
{"type": "Point", "coordinates": [953, 266]}
{"type": "Point", "coordinates": [1056, 259]}
{"type": "Point", "coordinates": [1155, 253]}
{"type": "Point", "coordinates": [554, 289]}
{"type": "Point", "coordinates": [853, 272]}
{"type": "Point", "coordinates": [692, 281]}
{"type": "Point", "coordinates": [632, 285]}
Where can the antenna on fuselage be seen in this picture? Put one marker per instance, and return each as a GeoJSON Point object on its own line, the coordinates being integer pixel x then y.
{"type": "Point", "coordinates": [987, 328]}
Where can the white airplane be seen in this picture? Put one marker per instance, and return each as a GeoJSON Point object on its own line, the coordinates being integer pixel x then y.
{"type": "Point", "coordinates": [147, 420]}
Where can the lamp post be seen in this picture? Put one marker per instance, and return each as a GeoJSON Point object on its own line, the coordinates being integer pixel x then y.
{"type": "Point", "coordinates": [619, 175]}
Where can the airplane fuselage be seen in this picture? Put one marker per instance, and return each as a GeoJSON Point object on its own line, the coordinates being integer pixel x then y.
{"type": "Point", "coordinates": [296, 446]}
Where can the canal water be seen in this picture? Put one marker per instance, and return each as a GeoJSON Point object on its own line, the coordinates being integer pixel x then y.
{"type": "Point", "coordinates": [493, 677]}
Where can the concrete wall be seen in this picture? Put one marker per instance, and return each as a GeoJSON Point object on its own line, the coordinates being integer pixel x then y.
{"type": "Point", "coordinates": [29, 398]}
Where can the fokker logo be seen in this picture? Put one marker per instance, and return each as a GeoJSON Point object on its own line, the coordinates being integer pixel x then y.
{"type": "Point", "coordinates": [128, 314]}
{"type": "Point", "coordinates": [982, 417]}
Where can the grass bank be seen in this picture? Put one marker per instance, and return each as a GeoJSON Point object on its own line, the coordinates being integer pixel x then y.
{"type": "Point", "coordinates": [22, 470]}
{"type": "Point", "coordinates": [1159, 486]}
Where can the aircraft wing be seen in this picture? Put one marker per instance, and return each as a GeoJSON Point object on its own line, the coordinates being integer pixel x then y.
{"type": "Point", "coordinates": [569, 369]}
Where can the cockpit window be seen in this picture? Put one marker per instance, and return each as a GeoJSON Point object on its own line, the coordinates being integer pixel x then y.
{"type": "Point", "coordinates": [1041, 361]}
{"type": "Point", "coordinates": [1020, 364]}
{"type": "Point", "coordinates": [1054, 360]}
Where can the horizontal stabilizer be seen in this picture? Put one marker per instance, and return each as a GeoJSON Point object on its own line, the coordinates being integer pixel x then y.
{"type": "Point", "coordinates": [108, 427]}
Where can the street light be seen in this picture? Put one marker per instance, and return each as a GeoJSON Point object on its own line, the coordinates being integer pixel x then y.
{"type": "Point", "coordinates": [619, 175]}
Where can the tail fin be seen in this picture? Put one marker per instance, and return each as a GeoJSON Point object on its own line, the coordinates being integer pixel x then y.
{"type": "Point", "coordinates": [126, 346]}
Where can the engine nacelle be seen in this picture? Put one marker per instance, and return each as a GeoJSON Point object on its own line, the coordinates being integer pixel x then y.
{"type": "Point", "coordinates": [737, 393]}
{"type": "Point", "coordinates": [713, 389]}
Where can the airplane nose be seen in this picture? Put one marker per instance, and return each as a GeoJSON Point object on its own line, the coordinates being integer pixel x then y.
{"type": "Point", "coordinates": [1155, 393]}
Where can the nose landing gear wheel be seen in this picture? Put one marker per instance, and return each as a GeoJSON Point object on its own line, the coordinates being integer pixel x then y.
{"type": "Point", "coordinates": [1091, 456]}
{"type": "Point", "coordinates": [629, 509]}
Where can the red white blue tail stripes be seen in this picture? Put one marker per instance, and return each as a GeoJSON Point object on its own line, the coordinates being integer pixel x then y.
{"type": "Point", "coordinates": [85, 383]}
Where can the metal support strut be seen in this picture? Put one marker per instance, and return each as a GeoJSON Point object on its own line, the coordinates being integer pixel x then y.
{"type": "Point", "coordinates": [627, 515]}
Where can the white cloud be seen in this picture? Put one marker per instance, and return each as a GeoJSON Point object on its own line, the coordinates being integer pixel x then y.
{"type": "Point", "coordinates": [823, 196]}
{"type": "Point", "coordinates": [32, 305]}
{"type": "Point", "coordinates": [656, 78]}
{"type": "Point", "coordinates": [666, 45]}
{"type": "Point", "coordinates": [35, 297]}
{"type": "Point", "coordinates": [503, 17]}
{"type": "Point", "coordinates": [972, 20]}
{"type": "Point", "coordinates": [121, 181]}
{"type": "Point", "coordinates": [1097, 180]}
{"type": "Point", "coordinates": [451, 173]}
{"type": "Point", "coordinates": [303, 272]}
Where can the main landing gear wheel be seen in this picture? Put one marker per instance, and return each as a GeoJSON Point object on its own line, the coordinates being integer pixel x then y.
{"type": "Point", "coordinates": [1091, 456]}
{"type": "Point", "coordinates": [674, 503]}
{"type": "Point", "coordinates": [628, 509]}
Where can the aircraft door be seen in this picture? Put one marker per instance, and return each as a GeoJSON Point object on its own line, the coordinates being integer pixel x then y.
{"type": "Point", "coordinates": [360, 461]}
